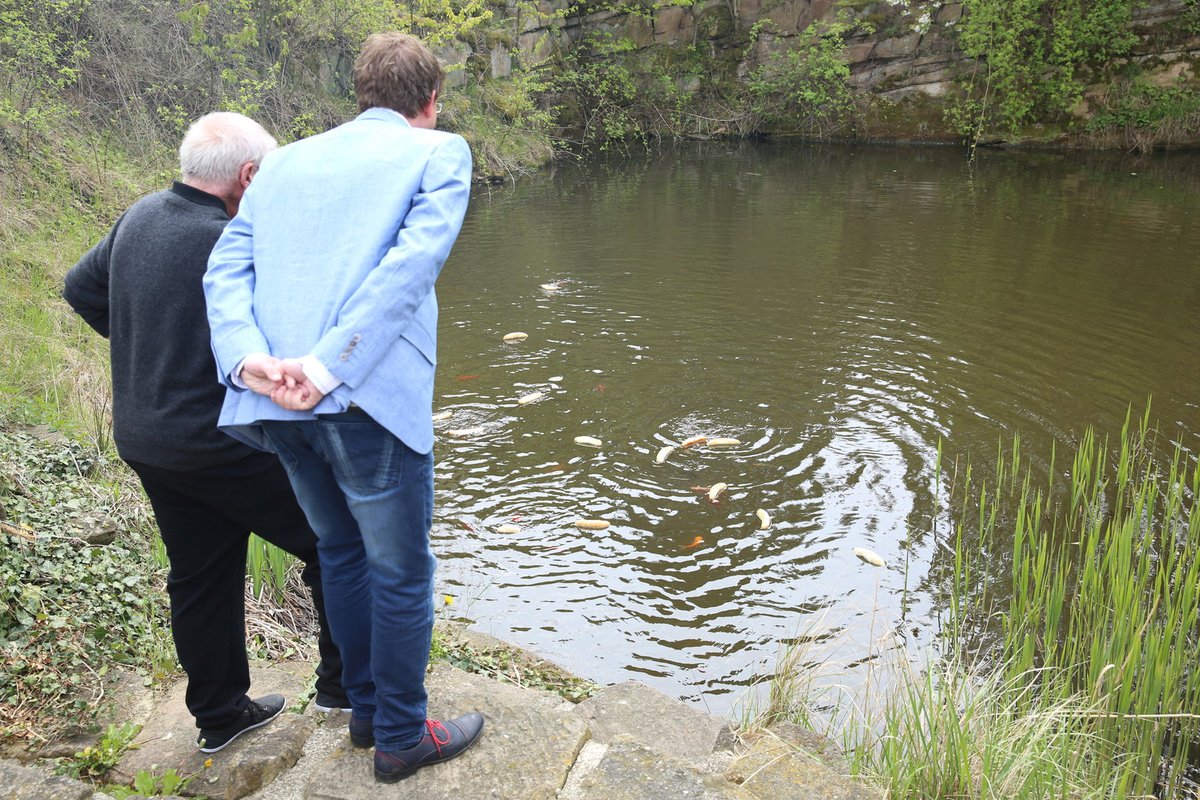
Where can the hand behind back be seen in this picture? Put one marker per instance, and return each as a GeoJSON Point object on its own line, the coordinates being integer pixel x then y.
{"type": "Point", "coordinates": [295, 392]}
{"type": "Point", "coordinates": [283, 380]}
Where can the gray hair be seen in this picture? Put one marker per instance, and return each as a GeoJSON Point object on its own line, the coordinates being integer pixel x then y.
{"type": "Point", "coordinates": [217, 145]}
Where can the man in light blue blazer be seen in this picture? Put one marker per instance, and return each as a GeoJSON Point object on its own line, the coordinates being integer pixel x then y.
{"type": "Point", "coordinates": [321, 302]}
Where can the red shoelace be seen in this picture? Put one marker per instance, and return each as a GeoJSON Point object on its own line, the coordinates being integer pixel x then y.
{"type": "Point", "coordinates": [434, 727]}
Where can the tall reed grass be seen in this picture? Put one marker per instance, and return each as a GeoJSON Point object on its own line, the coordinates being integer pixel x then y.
{"type": "Point", "coordinates": [268, 568]}
{"type": "Point", "coordinates": [1102, 598]}
{"type": "Point", "coordinates": [1072, 629]}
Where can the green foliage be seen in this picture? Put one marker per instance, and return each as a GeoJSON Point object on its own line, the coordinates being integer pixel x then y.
{"type": "Point", "coordinates": [1145, 116]}
{"type": "Point", "coordinates": [1102, 599]}
{"type": "Point", "coordinates": [806, 88]}
{"type": "Point", "coordinates": [503, 122]}
{"type": "Point", "coordinates": [612, 94]}
{"type": "Point", "coordinates": [68, 611]}
{"type": "Point", "coordinates": [1035, 56]}
{"type": "Point", "coordinates": [1190, 21]}
{"type": "Point", "coordinates": [96, 761]}
{"type": "Point", "coordinates": [147, 784]}
{"type": "Point", "coordinates": [268, 58]}
{"type": "Point", "coordinates": [41, 51]}
{"type": "Point", "coordinates": [440, 22]}
{"type": "Point", "coordinates": [267, 567]}
{"type": "Point", "coordinates": [600, 90]}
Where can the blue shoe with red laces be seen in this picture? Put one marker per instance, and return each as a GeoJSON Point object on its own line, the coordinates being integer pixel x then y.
{"type": "Point", "coordinates": [441, 742]}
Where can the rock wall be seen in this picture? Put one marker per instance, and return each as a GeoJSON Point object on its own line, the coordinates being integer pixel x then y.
{"type": "Point", "coordinates": [909, 60]}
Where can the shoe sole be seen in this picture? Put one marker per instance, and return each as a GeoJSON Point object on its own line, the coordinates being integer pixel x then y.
{"type": "Point", "coordinates": [233, 738]}
{"type": "Point", "coordinates": [329, 709]}
{"type": "Point", "coordinates": [396, 777]}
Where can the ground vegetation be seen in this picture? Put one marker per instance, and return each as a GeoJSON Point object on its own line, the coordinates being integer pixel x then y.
{"type": "Point", "coordinates": [1065, 669]}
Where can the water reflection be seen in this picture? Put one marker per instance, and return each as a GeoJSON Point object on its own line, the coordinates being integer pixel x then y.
{"type": "Point", "coordinates": [839, 311]}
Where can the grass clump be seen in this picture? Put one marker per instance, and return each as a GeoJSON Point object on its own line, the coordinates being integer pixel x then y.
{"type": "Point", "coordinates": [1143, 117]}
{"type": "Point", "coordinates": [1073, 622]}
{"type": "Point", "coordinates": [1104, 599]}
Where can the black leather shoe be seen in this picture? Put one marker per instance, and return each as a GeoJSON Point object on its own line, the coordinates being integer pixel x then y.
{"type": "Point", "coordinates": [256, 714]}
{"type": "Point", "coordinates": [441, 742]}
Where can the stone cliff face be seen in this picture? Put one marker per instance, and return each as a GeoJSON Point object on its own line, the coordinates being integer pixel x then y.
{"type": "Point", "coordinates": [907, 66]}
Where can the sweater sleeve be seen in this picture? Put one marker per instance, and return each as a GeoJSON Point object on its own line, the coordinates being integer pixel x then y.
{"type": "Point", "coordinates": [86, 285]}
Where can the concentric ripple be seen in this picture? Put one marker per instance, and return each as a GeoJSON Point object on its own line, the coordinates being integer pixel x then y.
{"type": "Point", "coordinates": [840, 316]}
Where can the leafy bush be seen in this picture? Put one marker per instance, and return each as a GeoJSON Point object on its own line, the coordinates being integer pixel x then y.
{"type": "Point", "coordinates": [67, 610]}
{"type": "Point", "coordinates": [807, 87]}
{"type": "Point", "coordinates": [1034, 57]}
{"type": "Point", "coordinates": [599, 90]}
{"type": "Point", "coordinates": [40, 54]}
{"type": "Point", "coordinates": [1146, 116]}
{"type": "Point", "coordinates": [98, 760]}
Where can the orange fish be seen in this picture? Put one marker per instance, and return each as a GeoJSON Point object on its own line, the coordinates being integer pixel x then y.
{"type": "Point", "coordinates": [600, 388]}
{"type": "Point", "coordinates": [466, 377]}
{"type": "Point", "coordinates": [699, 540]}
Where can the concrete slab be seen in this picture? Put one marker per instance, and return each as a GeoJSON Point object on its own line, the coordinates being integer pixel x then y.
{"type": "Point", "coordinates": [662, 723]}
{"type": "Point", "coordinates": [631, 771]}
{"type": "Point", "coordinates": [168, 741]}
{"type": "Point", "coordinates": [26, 783]}
{"type": "Point", "coordinates": [775, 769]}
{"type": "Point", "coordinates": [528, 745]}
{"type": "Point", "coordinates": [328, 737]}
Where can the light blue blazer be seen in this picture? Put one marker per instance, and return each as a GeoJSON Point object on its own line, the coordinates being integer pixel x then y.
{"type": "Point", "coordinates": [334, 252]}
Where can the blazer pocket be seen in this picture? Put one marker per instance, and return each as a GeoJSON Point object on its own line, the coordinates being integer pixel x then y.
{"type": "Point", "coordinates": [421, 339]}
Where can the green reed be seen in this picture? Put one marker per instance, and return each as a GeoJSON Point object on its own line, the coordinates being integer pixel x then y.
{"type": "Point", "coordinates": [267, 567]}
{"type": "Point", "coordinates": [1100, 604]}
{"type": "Point", "coordinates": [1071, 627]}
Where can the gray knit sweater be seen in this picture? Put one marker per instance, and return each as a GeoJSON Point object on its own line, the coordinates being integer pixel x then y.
{"type": "Point", "coordinates": [141, 288]}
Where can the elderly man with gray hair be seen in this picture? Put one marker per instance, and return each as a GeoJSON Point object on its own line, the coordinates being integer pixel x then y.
{"type": "Point", "coordinates": [140, 287]}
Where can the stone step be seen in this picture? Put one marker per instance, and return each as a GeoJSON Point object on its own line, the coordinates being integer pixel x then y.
{"type": "Point", "coordinates": [627, 741]}
{"type": "Point", "coordinates": [168, 741]}
{"type": "Point", "coordinates": [662, 723]}
{"type": "Point", "coordinates": [774, 767]}
{"type": "Point", "coordinates": [528, 745]}
{"type": "Point", "coordinates": [629, 770]}
{"type": "Point", "coordinates": [18, 782]}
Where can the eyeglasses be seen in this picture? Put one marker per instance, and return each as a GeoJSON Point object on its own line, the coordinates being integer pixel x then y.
{"type": "Point", "coordinates": [438, 108]}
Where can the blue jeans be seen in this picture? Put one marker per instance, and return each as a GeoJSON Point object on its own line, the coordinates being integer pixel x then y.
{"type": "Point", "coordinates": [369, 497]}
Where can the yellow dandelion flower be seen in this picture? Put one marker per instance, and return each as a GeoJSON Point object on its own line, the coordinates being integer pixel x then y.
{"type": "Point", "coordinates": [207, 763]}
{"type": "Point", "coordinates": [448, 600]}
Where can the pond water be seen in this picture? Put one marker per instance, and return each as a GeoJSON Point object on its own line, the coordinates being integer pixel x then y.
{"type": "Point", "coordinates": [838, 310]}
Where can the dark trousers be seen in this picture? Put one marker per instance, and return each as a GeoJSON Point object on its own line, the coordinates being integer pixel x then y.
{"type": "Point", "coordinates": [206, 517]}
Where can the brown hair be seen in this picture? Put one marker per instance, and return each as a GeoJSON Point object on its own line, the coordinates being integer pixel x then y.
{"type": "Point", "coordinates": [397, 71]}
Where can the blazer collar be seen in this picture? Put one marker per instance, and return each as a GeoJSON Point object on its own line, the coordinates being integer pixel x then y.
{"type": "Point", "coordinates": [384, 115]}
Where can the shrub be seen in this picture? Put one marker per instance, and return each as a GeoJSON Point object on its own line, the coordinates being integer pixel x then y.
{"type": "Point", "coordinates": [67, 610]}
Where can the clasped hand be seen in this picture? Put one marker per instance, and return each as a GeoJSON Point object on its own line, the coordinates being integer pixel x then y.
{"type": "Point", "coordinates": [281, 379]}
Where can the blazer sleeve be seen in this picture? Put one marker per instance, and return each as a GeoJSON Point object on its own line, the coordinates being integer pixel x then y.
{"type": "Point", "coordinates": [377, 312]}
{"type": "Point", "coordinates": [229, 295]}
{"type": "Point", "coordinates": [85, 287]}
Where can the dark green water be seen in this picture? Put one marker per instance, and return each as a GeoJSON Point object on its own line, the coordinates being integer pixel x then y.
{"type": "Point", "coordinates": [840, 311]}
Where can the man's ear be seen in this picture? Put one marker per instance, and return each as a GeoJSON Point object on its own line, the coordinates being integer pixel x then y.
{"type": "Point", "coordinates": [246, 174]}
